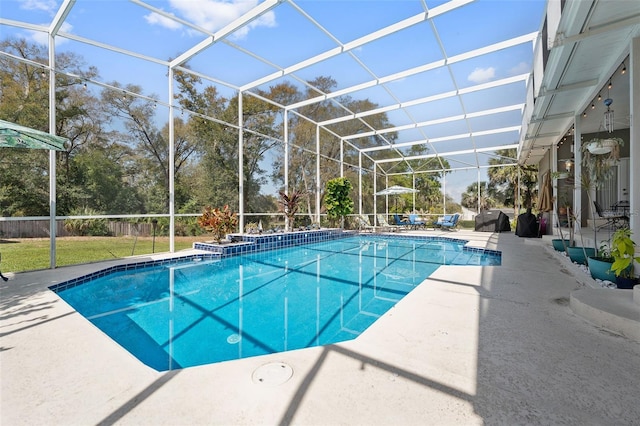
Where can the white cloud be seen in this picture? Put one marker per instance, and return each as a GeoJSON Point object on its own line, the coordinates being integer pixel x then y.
{"type": "Point", "coordinates": [215, 14]}
{"type": "Point", "coordinates": [482, 75]}
{"type": "Point", "coordinates": [43, 5]}
{"type": "Point", "coordinates": [156, 19]}
{"type": "Point", "coordinates": [43, 38]}
{"type": "Point", "coordinates": [521, 68]}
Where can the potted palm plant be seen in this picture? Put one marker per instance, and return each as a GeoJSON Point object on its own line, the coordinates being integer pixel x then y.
{"type": "Point", "coordinates": [623, 253]}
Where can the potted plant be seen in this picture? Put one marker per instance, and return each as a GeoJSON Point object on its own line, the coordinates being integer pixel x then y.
{"type": "Point", "coordinates": [219, 222]}
{"type": "Point", "coordinates": [289, 204]}
{"type": "Point", "coordinates": [337, 200]}
{"type": "Point", "coordinates": [578, 253]}
{"type": "Point", "coordinates": [600, 264]}
{"type": "Point", "coordinates": [598, 161]}
{"type": "Point", "coordinates": [560, 175]}
{"type": "Point", "coordinates": [598, 168]}
{"type": "Point", "coordinates": [623, 253]}
{"type": "Point", "coordinates": [603, 146]}
{"type": "Point", "coordinates": [561, 244]}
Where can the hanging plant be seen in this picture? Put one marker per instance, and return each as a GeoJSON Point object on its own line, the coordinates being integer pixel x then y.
{"type": "Point", "coordinates": [598, 158]}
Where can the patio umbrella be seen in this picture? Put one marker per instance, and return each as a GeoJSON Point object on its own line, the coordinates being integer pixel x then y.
{"type": "Point", "coordinates": [546, 201]}
{"type": "Point", "coordinates": [16, 136]}
{"type": "Point", "coordinates": [396, 190]}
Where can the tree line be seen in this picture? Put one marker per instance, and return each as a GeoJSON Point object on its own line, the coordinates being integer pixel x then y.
{"type": "Point", "coordinates": [117, 161]}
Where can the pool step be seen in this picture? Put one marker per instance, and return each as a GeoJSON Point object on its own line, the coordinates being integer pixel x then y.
{"type": "Point", "coordinates": [474, 258]}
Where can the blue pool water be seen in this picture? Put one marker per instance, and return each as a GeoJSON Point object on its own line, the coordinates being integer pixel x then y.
{"type": "Point", "coordinates": [192, 313]}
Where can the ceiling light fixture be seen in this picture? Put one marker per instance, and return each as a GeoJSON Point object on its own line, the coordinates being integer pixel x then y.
{"type": "Point", "coordinates": [624, 69]}
{"type": "Point", "coordinates": [593, 106]}
{"type": "Point", "coordinates": [599, 97]}
{"type": "Point", "coordinates": [568, 164]}
{"type": "Point", "coordinates": [584, 114]}
{"type": "Point", "coordinates": [610, 85]}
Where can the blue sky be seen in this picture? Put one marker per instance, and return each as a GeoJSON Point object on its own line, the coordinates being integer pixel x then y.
{"type": "Point", "coordinates": [283, 37]}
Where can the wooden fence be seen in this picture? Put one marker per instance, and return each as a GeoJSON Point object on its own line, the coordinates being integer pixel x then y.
{"type": "Point", "coordinates": [40, 229]}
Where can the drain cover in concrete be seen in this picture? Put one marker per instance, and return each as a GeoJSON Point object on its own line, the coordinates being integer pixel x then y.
{"type": "Point", "coordinates": [272, 374]}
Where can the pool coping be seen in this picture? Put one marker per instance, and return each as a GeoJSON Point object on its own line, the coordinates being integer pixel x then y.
{"type": "Point", "coordinates": [471, 345]}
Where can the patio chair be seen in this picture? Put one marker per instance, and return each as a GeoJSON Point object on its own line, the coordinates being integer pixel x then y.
{"type": "Point", "coordinates": [382, 221]}
{"type": "Point", "coordinates": [415, 222]}
{"type": "Point", "coordinates": [364, 224]}
{"type": "Point", "coordinates": [449, 221]}
{"type": "Point", "coordinates": [398, 221]}
{"type": "Point", "coordinates": [446, 218]}
{"type": "Point", "coordinates": [613, 219]}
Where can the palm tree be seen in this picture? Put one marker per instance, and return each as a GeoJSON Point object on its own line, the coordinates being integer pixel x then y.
{"type": "Point", "coordinates": [507, 178]}
{"type": "Point", "coordinates": [470, 198]}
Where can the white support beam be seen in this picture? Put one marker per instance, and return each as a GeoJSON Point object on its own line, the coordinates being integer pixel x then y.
{"type": "Point", "coordinates": [112, 48]}
{"type": "Point", "coordinates": [634, 138]}
{"type": "Point", "coordinates": [61, 15]}
{"type": "Point", "coordinates": [359, 182]}
{"type": "Point", "coordinates": [253, 14]}
{"type": "Point", "coordinates": [408, 73]}
{"type": "Point", "coordinates": [172, 216]}
{"type": "Point", "coordinates": [318, 174]}
{"type": "Point", "coordinates": [444, 138]}
{"type": "Point", "coordinates": [437, 121]}
{"type": "Point", "coordinates": [448, 153]}
{"type": "Point", "coordinates": [52, 154]}
{"type": "Point", "coordinates": [413, 20]}
{"type": "Point", "coordinates": [241, 165]}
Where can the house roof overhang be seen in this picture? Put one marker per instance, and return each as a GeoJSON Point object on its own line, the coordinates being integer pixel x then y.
{"type": "Point", "coordinates": [588, 43]}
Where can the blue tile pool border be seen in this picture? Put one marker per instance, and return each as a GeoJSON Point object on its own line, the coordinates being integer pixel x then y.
{"type": "Point", "coordinates": [131, 267]}
{"type": "Point", "coordinates": [252, 244]}
{"type": "Point", "coordinates": [465, 248]}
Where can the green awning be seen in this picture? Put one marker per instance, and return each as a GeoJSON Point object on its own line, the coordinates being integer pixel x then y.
{"type": "Point", "coordinates": [16, 136]}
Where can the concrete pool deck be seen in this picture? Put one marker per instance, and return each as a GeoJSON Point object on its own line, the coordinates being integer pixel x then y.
{"type": "Point", "coordinates": [471, 345]}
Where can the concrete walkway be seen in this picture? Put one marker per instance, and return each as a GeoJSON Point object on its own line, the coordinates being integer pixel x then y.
{"type": "Point", "coordinates": [471, 345]}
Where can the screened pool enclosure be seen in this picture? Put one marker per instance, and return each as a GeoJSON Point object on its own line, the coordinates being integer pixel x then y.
{"type": "Point", "coordinates": [427, 94]}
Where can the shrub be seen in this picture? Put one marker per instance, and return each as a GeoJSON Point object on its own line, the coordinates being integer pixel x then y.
{"type": "Point", "coordinates": [84, 227]}
{"type": "Point", "coordinates": [336, 198]}
{"type": "Point", "coordinates": [219, 222]}
{"type": "Point", "coordinates": [289, 204]}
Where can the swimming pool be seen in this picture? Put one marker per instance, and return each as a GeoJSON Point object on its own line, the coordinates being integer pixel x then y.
{"type": "Point", "coordinates": [183, 314]}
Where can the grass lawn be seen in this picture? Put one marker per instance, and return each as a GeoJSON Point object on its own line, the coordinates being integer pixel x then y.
{"type": "Point", "coordinates": [28, 254]}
